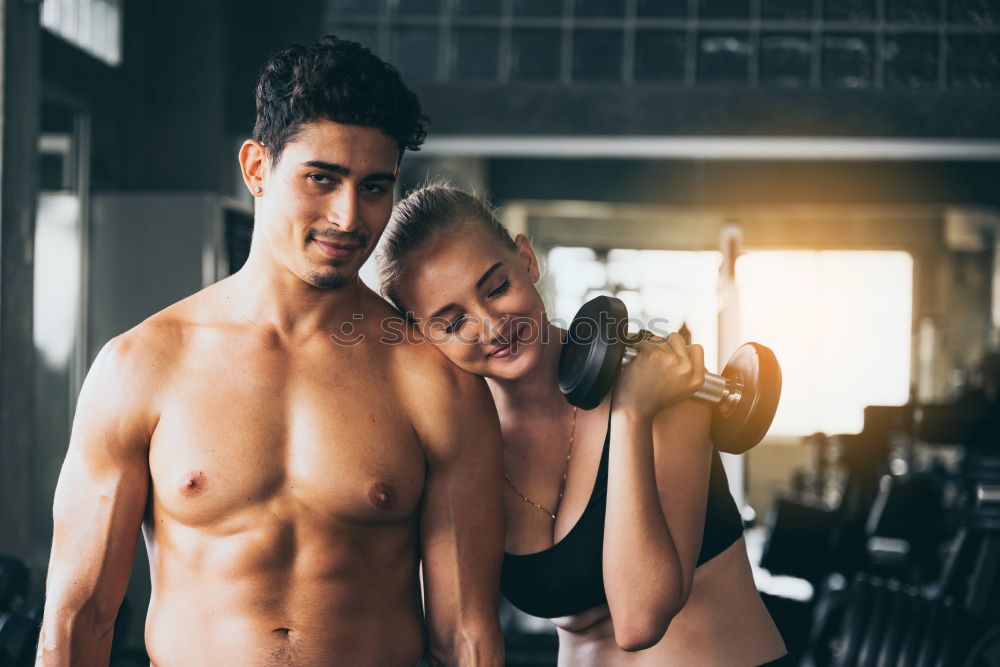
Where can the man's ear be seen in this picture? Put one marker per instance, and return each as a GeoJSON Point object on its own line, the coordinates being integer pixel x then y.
{"type": "Point", "coordinates": [254, 163]}
{"type": "Point", "coordinates": [527, 255]}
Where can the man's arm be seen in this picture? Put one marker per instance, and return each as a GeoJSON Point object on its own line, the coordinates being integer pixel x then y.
{"type": "Point", "coordinates": [461, 523]}
{"type": "Point", "coordinates": [98, 509]}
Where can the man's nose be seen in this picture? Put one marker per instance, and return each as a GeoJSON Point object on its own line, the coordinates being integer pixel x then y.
{"type": "Point", "coordinates": [343, 208]}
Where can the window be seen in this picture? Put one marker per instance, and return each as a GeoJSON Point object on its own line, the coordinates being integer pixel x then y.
{"type": "Point", "coordinates": [923, 45]}
{"type": "Point", "coordinates": [839, 321]}
{"type": "Point", "coordinates": [93, 25]}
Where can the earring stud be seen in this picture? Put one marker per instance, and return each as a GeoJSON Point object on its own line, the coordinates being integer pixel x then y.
{"type": "Point", "coordinates": [257, 189]}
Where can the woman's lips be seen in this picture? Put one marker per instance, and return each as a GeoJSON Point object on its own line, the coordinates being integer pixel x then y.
{"type": "Point", "coordinates": [511, 348]}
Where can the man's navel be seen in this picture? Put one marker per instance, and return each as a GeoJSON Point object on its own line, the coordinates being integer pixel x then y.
{"type": "Point", "coordinates": [193, 483]}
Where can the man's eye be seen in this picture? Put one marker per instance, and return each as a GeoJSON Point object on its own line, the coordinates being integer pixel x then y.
{"type": "Point", "coordinates": [373, 188]}
{"type": "Point", "coordinates": [501, 288]}
{"type": "Point", "coordinates": [322, 179]}
{"type": "Point", "coordinates": [453, 327]}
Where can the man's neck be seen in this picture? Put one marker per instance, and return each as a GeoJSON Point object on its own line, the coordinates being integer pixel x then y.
{"type": "Point", "coordinates": [269, 295]}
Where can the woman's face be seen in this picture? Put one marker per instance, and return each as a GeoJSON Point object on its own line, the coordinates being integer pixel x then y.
{"type": "Point", "coordinates": [475, 298]}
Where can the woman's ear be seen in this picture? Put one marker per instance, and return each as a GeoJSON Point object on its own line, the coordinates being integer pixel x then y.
{"type": "Point", "coordinates": [527, 255]}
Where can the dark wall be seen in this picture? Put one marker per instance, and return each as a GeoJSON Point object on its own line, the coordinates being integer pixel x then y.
{"type": "Point", "coordinates": [672, 110]}
{"type": "Point", "coordinates": [710, 182]}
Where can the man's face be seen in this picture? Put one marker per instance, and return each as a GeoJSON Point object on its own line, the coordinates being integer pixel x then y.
{"type": "Point", "coordinates": [327, 201]}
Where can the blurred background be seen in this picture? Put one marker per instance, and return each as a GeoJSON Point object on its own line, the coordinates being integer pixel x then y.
{"type": "Point", "coordinates": [821, 176]}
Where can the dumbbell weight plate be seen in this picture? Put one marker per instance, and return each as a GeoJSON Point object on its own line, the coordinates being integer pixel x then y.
{"type": "Point", "coordinates": [755, 369]}
{"type": "Point", "coordinates": [593, 351]}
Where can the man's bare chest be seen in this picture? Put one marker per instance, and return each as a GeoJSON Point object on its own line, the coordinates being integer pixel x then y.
{"type": "Point", "coordinates": [300, 436]}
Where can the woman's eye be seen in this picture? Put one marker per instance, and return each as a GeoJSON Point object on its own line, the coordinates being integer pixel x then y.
{"type": "Point", "coordinates": [453, 327]}
{"type": "Point", "coordinates": [501, 288]}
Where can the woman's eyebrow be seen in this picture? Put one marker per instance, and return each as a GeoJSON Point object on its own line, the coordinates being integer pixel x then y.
{"type": "Point", "coordinates": [486, 276]}
{"type": "Point", "coordinates": [479, 283]}
{"type": "Point", "coordinates": [441, 311]}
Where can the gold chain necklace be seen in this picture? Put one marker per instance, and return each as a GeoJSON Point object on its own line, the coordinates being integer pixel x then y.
{"type": "Point", "coordinates": [562, 482]}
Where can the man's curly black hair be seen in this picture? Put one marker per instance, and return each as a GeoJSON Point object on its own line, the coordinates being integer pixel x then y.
{"type": "Point", "coordinates": [333, 79]}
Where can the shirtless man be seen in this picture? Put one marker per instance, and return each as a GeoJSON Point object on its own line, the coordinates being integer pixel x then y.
{"type": "Point", "coordinates": [293, 470]}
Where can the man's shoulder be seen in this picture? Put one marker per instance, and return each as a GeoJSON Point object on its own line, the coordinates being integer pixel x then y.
{"type": "Point", "coordinates": [156, 343]}
{"type": "Point", "coordinates": [424, 367]}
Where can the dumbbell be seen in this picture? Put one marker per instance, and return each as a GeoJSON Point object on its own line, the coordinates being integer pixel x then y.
{"type": "Point", "coordinates": [598, 346]}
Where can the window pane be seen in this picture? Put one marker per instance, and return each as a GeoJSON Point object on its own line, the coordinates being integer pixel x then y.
{"type": "Point", "coordinates": [477, 7]}
{"type": "Point", "coordinates": [414, 52]}
{"type": "Point", "coordinates": [724, 9]}
{"type": "Point", "coordinates": [599, 8]}
{"type": "Point", "coordinates": [911, 60]}
{"type": "Point", "coordinates": [354, 6]}
{"type": "Point", "coordinates": [662, 8]}
{"type": "Point", "coordinates": [974, 11]}
{"type": "Point", "coordinates": [974, 61]}
{"type": "Point", "coordinates": [538, 7]}
{"type": "Point", "coordinates": [474, 54]}
{"type": "Point", "coordinates": [723, 58]}
{"type": "Point", "coordinates": [535, 54]}
{"type": "Point", "coordinates": [839, 323]}
{"type": "Point", "coordinates": [912, 11]}
{"type": "Point", "coordinates": [659, 55]}
{"type": "Point", "coordinates": [366, 35]}
{"type": "Point", "coordinates": [847, 61]}
{"type": "Point", "coordinates": [849, 10]}
{"type": "Point", "coordinates": [785, 59]}
{"type": "Point", "coordinates": [94, 26]}
{"type": "Point", "coordinates": [417, 6]}
{"type": "Point", "coordinates": [597, 55]}
{"type": "Point", "coordinates": [785, 9]}
{"type": "Point", "coordinates": [663, 289]}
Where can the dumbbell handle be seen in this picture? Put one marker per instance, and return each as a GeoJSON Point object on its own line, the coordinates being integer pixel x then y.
{"type": "Point", "coordinates": [717, 390]}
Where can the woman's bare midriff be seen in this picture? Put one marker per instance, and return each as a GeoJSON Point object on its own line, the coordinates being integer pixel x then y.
{"type": "Point", "coordinates": [724, 623]}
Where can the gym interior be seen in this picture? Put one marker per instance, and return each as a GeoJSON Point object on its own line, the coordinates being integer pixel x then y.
{"type": "Point", "coordinates": [818, 176]}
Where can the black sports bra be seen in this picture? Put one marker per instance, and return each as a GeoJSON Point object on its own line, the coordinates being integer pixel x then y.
{"type": "Point", "coordinates": [568, 577]}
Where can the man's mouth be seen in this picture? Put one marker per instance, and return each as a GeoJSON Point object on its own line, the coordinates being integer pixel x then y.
{"type": "Point", "coordinates": [511, 344]}
{"type": "Point", "coordinates": [336, 249]}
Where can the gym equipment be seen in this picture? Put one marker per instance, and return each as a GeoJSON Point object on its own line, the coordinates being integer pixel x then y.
{"type": "Point", "coordinates": [986, 652]}
{"type": "Point", "coordinates": [13, 581]}
{"type": "Point", "coordinates": [18, 636]}
{"type": "Point", "coordinates": [798, 539]}
{"type": "Point", "coordinates": [598, 346]}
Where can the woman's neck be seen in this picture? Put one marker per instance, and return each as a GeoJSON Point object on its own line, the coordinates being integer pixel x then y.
{"type": "Point", "coordinates": [538, 391]}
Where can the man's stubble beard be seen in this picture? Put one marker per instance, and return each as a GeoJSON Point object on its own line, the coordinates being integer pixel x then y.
{"type": "Point", "coordinates": [335, 280]}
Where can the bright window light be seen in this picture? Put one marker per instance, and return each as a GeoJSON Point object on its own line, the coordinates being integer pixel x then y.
{"type": "Point", "coordinates": [839, 321]}
{"type": "Point", "coordinates": [93, 25]}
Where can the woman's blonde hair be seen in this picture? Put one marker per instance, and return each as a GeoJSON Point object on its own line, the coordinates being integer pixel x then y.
{"type": "Point", "coordinates": [417, 217]}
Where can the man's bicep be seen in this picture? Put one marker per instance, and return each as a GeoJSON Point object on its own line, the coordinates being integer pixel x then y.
{"type": "Point", "coordinates": [461, 521]}
{"type": "Point", "coordinates": [102, 490]}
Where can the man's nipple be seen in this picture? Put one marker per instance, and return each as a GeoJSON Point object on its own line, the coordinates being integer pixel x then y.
{"type": "Point", "coordinates": [193, 483]}
{"type": "Point", "coordinates": [382, 495]}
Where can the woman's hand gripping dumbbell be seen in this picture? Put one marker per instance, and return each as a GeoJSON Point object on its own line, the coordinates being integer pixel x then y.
{"type": "Point", "coordinates": [745, 396]}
